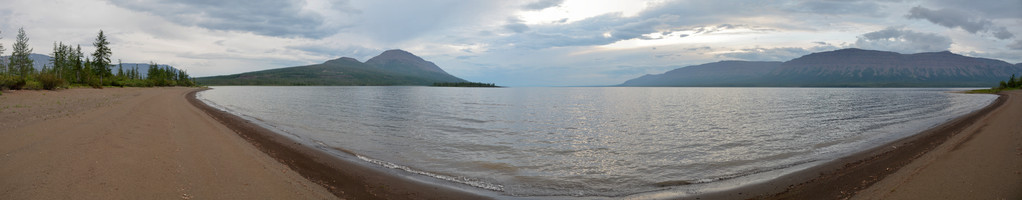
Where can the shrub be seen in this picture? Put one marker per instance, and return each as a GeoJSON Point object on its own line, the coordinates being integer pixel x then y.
{"type": "Point", "coordinates": [12, 82]}
{"type": "Point", "coordinates": [33, 85]}
{"type": "Point", "coordinates": [94, 83]}
{"type": "Point", "coordinates": [50, 81]}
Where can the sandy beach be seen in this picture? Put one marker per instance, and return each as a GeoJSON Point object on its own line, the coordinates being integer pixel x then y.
{"type": "Point", "coordinates": [983, 161]}
{"type": "Point", "coordinates": [977, 156]}
{"type": "Point", "coordinates": [131, 143]}
{"type": "Point", "coordinates": [161, 143]}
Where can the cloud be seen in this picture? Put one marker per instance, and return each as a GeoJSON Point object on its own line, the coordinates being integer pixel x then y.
{"type": "Point", "coordinates": [1016, 46]}
{"type": "Point", "coordinates": [838, 7]}
{"type": "Point", "coordinates": [542, 4]}
{"type": "Point", "coordinates": [280, 18]}
{"type": "Point", "coordinates": [957, 19]}
{"type": "Point", "coordinates": [516, 25]}
{"type": "Point", "coordinates": [991, 9]}
{"type": "Point", "coordinates": [332, 51]}
{"type": "Point", "coordinates": [776, 54]}
{"type": "Point", "coordinates": [903, 41]}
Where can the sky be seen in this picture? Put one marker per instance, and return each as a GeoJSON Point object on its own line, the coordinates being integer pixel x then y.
{"type": "Point", "coordinates": [511, 43]}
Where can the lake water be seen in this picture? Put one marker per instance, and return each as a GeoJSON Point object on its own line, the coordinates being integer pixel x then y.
{"type": "Point", "coordinates": [594, 141]}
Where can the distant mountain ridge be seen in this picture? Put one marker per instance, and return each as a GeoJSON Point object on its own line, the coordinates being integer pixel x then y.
{"type": "Point", "coordinates": [843, 68]}
{"type": "Point", "coordinates": [41, 60]}
{"type": "Point", "coordinates": [392, 67]}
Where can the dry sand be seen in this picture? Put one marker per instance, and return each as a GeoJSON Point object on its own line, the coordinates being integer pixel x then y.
{"type": "Point", "coordinates": [983, 162]}
{"type": "Point", "coordinates": [131, 143]}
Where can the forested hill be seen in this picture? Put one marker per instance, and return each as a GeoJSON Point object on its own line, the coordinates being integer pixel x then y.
{"type": "Point", "coordinates": [392, 67]}
{"type": "Point", "coordinates": [843, 68]}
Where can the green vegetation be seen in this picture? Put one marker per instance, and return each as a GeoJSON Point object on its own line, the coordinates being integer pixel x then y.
{"type": "Point", "coordinates": [463, 84]}
{"type": "Point", "coordinates": [1012, 84]}
{"type": "Point", "coordinates": [69, 67]}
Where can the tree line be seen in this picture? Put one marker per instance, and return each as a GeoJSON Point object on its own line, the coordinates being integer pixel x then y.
{"type": "Point", "coordinates": [70, 67]}
{"type": "Point", "coordinates": [1012, 83]}
{"type": "Point", "coordinates": [463, 84]}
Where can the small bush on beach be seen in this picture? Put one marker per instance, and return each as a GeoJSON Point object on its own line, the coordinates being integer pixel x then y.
{"type": "Point", "coordinates": [50, 81]}
{"type": "Point", "coordinates": [33, 85]}
{"type": "Point", "coordinates": [12, 82]}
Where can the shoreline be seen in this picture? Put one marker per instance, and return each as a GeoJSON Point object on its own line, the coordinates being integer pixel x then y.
{"type": "Point", "coordinates": [845, 177]}
{"type": "Point", "coordinates": [344, 177]}
{"type": "Point", "coordinates": [840, 178]}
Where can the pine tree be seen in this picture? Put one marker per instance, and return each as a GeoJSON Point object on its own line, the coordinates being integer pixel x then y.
{"type": "Point", "coordinates": [3, 67]}
{"type": "Point", "coordinates": [78, 65]}
{"type": "Point", "coordinates": [101, 57]}
{"type": "Point", "coordinates": [1013, 83]}
{"type": "Point", "coordinates": [120, 69]}
{"type": "Point", "coordinates": [21, 64]}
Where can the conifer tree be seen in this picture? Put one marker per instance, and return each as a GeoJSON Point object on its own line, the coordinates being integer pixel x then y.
{"type": "Point", "coordinates": [120, 69]}
{"type": "Point", "coordinates": [3, 67]}
{"type": "Point", "coordinates": [78, 65]}
{"type": "Point", "coordinates": [101, 57]}
{"type": "Point", "coordinates": [20, 63]}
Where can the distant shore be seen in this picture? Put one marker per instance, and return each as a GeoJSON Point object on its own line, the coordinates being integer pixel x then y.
{"type": "Point", "coordinates": [144, 143]}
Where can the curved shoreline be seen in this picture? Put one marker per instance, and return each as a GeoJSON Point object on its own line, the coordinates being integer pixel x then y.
{"type": "Point", "coordinates": [837, 179]}
{"type": "Point", "coordinates": [843, 177]}
{"type": "Point", "coordinates": [346, 179]}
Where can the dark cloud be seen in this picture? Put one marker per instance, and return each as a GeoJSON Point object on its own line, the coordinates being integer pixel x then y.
{"type": "Point", "coordinates": [281, 18]}
{"type": "Point", "coordinates": [871, 8]}
{"type": "Point", "coordinates": [1016, 46]}
{"type": "Point", "coordinates": [991, 9]}
{"type": "Point", "coordinates": [516, 25]}
{"type": "Point", "coordinates": [542, 4]}
{"type": "Point", "coordinates": [957, 19]}
{"type": "Point", "coordinates": [903, 41]}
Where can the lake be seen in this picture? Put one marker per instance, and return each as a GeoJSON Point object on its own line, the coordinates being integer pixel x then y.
{"type": "Point", "coordinates": [595, 141]}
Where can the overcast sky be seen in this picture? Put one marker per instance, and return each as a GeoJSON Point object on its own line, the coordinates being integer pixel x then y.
{"type": "Point", "coordinates": [516, 43]}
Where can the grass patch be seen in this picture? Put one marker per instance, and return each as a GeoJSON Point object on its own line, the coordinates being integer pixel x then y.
{"type": "Point", "coordinates": [989, 91]}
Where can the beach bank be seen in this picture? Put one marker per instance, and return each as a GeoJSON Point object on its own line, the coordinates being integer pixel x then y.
{"type": "Point", "coordinates": [976, 156]}
{"type": "Point", "coordinates": [131, 143]}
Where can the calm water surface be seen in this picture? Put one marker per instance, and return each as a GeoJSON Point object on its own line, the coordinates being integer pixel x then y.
{"type": "Point", "coordinates": [594, 141]}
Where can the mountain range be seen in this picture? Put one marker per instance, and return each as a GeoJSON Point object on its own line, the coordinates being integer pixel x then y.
{"type": "Point", "coordinates": [842, 68]}
{"type": "Point", "coordinates": [392, 67]}
{"type": "Point", "coordinates": [40, 60]}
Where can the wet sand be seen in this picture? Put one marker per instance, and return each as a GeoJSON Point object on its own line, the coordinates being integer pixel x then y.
{"type": "Point", "coordinates": [977, 156]}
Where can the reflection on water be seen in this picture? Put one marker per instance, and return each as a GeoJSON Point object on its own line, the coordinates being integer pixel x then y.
{"type": "Point", "coordinates": [595, 141]}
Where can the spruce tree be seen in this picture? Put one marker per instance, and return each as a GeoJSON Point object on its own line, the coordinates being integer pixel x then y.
{"type": "Point", "coordinates": [3, 67]}
{"type": "Point", "coordinates": [101, 57]}
{"type": "Point", "coordinates": [21, 64]}
{"type": "Point", "coordinates": [78, 65]}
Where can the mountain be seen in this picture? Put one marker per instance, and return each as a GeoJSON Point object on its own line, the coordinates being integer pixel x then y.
{"type": "Point", "coordinates": [392, 67]}
{"type": "Point", "coordinates": [843, 68]}
{"type": "Point", "coordinates": [40, 60]}
{"type": "Point", "coordinates": [723, 73]}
